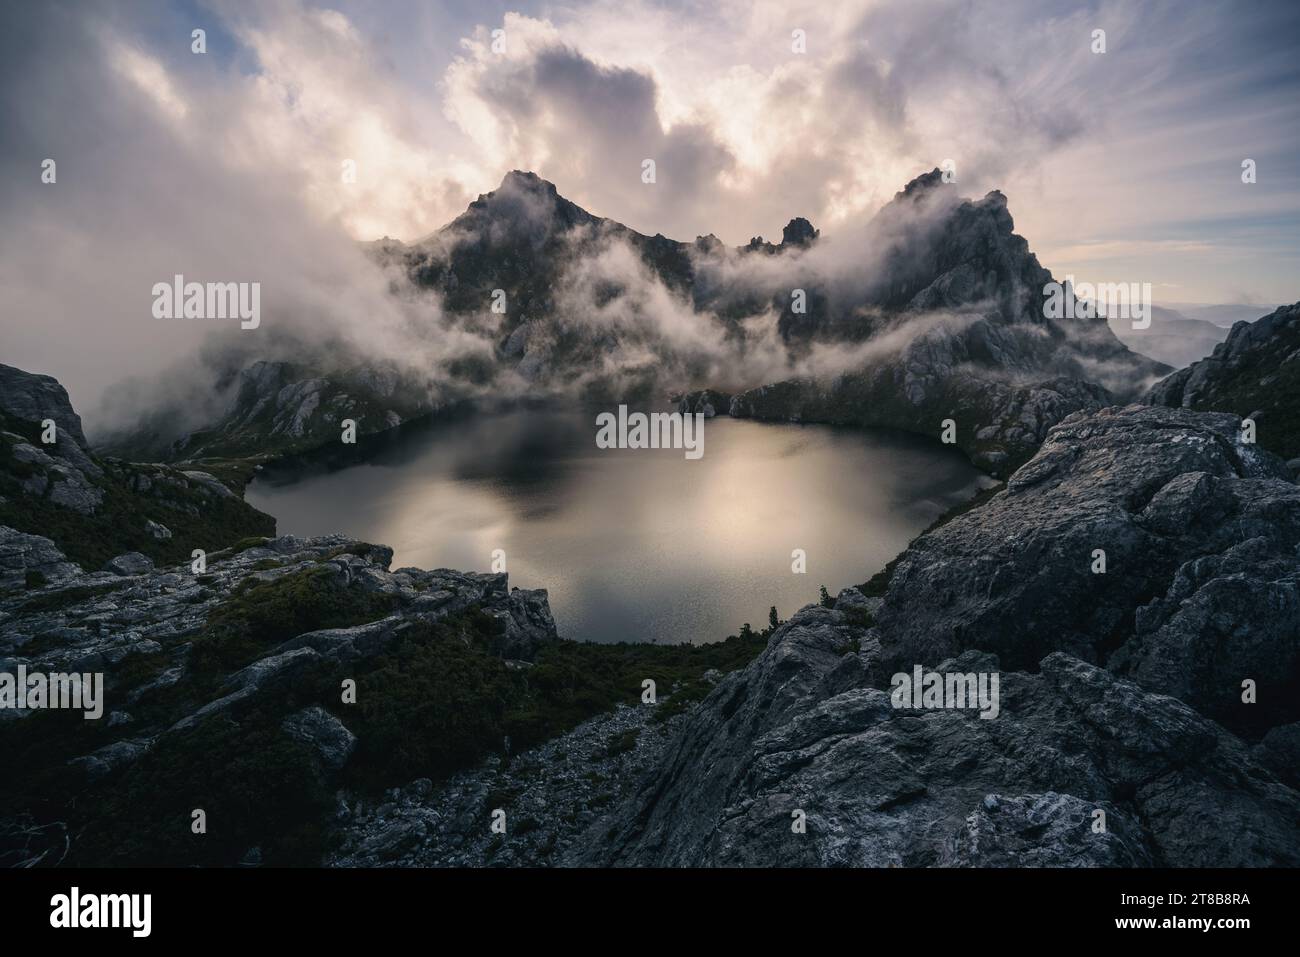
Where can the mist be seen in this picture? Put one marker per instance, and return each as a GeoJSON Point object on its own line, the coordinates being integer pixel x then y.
{"type": "Point", "coordinates": [229, 167]}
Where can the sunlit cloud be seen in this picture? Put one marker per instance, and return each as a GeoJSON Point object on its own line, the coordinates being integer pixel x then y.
{"type": "Point", "coordinates": [1122, 166]}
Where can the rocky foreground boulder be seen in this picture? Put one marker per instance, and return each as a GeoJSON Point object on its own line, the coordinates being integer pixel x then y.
{"type": "Point", "coordinates": [82, 620]}
{"type": "Point", "coordinates": [1195, 529]}
{"type": "Point", "coordinates": [1109, 745]}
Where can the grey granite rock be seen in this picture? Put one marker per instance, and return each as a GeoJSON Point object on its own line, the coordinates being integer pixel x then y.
{"type": "Point", "coordinates": [1197, 529]}
{"type": "Point", "coordinates": [325, 733]}
{"type": "Point", "coordinates": [132, 563]}
{"type": "Point", "coordinates": [22, 555]}
{"type": "Point", "coordinates": [1170, 497]}
{"type": "Point", "coordinates": [551, 795]}
{"type": "Point", "coordinates": [136, 612]}
{"type": "Point", "coordinates": [37, 398]}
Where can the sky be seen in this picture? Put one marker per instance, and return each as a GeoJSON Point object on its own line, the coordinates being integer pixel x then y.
{"type": "Point", "coordinates": [1119, 166]}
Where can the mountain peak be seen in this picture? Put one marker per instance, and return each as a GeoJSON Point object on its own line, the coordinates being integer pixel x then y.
{"type": "Point", "coordinates": [799, 232]}
{"type": "Point", "coordinates": [921, 185]}
{"type": "Point", "coordinates": [524, 206]}
{"type": "Point", "coordinates": [525, 180]}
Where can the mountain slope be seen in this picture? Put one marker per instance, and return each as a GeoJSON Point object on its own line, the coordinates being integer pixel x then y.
{"type": "Point", "coordinates": [1255, 372]}
{"type": "Point", "coordinates": [280, 407]}
{"type": "Point", "coordinates": [94, 508]}
{"type": "Point", "coordinates": [957, 313]}
{"type": "Point", "coordinates": [932, 310]}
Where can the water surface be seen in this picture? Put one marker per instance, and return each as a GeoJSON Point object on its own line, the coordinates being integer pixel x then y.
{"type": "Point", "coordinates": [636, 545]}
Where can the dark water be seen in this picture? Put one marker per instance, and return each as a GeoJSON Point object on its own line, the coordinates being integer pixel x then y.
{"type": "Point", "coordinates": [636, 545]}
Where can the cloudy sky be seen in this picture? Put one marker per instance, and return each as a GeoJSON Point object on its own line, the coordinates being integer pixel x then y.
{"type": "Point", "coordinates": [1119, 166]}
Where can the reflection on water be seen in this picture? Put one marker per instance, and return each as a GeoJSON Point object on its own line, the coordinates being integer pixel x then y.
{"type": "Point", "coordinates": [636, 545]}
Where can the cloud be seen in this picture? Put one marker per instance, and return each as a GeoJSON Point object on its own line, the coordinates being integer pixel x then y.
{"type": "Point", "coordinates": [218, 176]}
{"type": "Point", "coordinates": [554, 110]}
{"type": "Point", "coordinates": [757, 133]}
{"type": "Point", "coordinates": [227, 166]}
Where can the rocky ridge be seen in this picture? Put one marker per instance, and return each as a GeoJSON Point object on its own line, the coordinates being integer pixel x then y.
{"type": "Point", "coordinates": [964, 293]}
{"type": "Point", "coordinates": [280, 407]}
{"type": "Point", "coordinates": [1254, 373]}
{"type": "Point", "coordinates": [949, 297]}
{"type": "Point", "coordinates": [1201, 532]}
{"type": "Point", "coordinates": [81, 621]}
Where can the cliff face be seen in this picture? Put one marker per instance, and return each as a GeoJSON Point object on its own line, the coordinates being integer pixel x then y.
{"type": "Point", "coordinates": [1254, 373]}
{"type": "Point", "coordinates": [1121, 691]}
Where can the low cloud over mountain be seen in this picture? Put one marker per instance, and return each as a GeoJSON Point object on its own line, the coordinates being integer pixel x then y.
{"type": "Point", "coordinates": [936, 300]}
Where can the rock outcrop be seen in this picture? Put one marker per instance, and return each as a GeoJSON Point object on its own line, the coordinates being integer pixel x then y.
{"type": "Point", "coordinates": [1254, 373]}
{"type": "Point", "coordinates": [247, 653]}
{"type": "Point", "coordinates": [81, 621]}
{"type": "Point", "coordinates": [31, 560]}
{"type": "Point", "coordinates": [1196, 529]}
{"type": "Point", "coordinates": [803, 759]}
{"type": "Point", "coordinates": [53, 485]}
{"type": "Point", "coordinates": [35, 398]}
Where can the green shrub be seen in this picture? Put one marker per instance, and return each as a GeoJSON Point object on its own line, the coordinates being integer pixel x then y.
{"type": "Point", "coordinates": [437, 701]}
{"type": "Point", "coordinates": [257, 786]}
{"type": "Point", "coordinates": [259, 615]}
